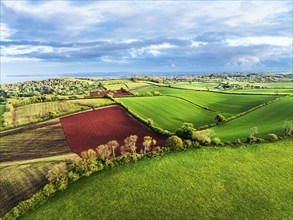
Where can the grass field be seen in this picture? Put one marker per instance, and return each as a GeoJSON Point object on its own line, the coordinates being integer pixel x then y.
{"type": "Point", "coordinates": [219, 102]}
{"type": "Point", "coordinates": [169, 112]}
{"type": "Point", "coordinates": [39, 111]}
{"type": "Point", "coordinates": [195, 85]}
{"type": "Point", "coordinates": [2, 110]}
{"type": "Point", "coordinates": [262, 91]}
{"type": "Point", "coordinates": [268, 119]}
{"type": "Point", "coordinates": [216, 183]}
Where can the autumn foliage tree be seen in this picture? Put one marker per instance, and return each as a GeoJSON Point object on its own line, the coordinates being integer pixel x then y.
{"type": "Point", "coordinates": [147, 143]}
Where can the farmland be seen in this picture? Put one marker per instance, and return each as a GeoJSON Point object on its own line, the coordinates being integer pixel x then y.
{"type": "Point", "coordinates": [91, 129]}
{"type": "Point", "coordinates": [33, 113]}
{"type": "Point", "coordinates": [218, 102]}
{"type": "Point", "coordinates": [27, 153]}
{"type": "Point", "coordinates": [169, 112]}
{"type": "Point", "coordinates": [2, 110]}
{"type": "Point", "coordinates": [25, 160]}
{"type": "Point", "coordinates": [268, 119]}
{"type": "Point", "coordinates": [216, 183]}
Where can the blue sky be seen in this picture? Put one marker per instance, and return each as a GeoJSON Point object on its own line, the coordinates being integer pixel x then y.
{"type": "Point", "coordinates": [44, 37]}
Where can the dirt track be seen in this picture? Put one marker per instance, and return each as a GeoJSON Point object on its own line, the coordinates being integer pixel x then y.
{"type": "Point", "coordinates": [28, 128]}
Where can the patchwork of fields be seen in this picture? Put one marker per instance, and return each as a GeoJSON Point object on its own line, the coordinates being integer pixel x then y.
{"type": "Point", "coordinates": [171, 185]}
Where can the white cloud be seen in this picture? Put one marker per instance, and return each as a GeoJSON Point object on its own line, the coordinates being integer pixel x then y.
{"type": "Point", "coordinates": [62, 14]}
{"type": "Point", "coordinates": [154, 49]}
{"type": "Point", "coordinates": [269, 40]}
{"type": "Point", "coordinates": [5, 32]}
{"type": "Point", "coordinates": [24, 49]}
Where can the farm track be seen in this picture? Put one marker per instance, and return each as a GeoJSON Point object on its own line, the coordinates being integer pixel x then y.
{"type": "Point", "coordinates": [28, 128]}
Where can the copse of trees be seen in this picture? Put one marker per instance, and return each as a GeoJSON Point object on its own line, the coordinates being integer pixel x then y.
{"type": "Point", "coordinates": [186, 130]}
{"type": "Point", "coordinates": [220, 118]}
{"type": "Point", "coordinates": [50, 86]}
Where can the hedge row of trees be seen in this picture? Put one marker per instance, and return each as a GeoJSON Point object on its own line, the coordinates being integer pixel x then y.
{"type": "Point", "coordinates": [49, 86]}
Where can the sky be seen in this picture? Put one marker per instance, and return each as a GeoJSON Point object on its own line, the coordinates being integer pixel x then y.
{"type": "Point", "coordinates": [45, 37]}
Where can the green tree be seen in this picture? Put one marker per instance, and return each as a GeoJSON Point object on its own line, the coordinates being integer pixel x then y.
{"type": "Point", "coordinates": [52, 114]}
{"type": "Point", "coordinates": [174, 142]}
{"type": "Point", "coordinates": [186, 130]}
{"type": "Point", "coordinates": [220, 118]}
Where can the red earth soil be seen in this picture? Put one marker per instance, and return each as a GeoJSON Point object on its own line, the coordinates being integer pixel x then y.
{"type": "Point", "coordinates": [91, 129]}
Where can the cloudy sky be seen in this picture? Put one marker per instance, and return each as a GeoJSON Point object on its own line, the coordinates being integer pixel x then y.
{"type": "Point", "coordinates": [42, 37]}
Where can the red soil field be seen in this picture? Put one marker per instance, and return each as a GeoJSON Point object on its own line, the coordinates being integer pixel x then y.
{"type": "Point", "coordinates": [91, 129]}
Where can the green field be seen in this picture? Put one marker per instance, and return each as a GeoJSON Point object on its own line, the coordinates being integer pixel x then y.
{"type": "Point", "coordinates": [169, 112]}
{"type": "Point", "coordinates": [216, 183]}
{"type": "Point", "coordinates": [39, 111]}
{"type": "Point", "coordinates": [2, 110]}
{"type": "Point", "coordinates": [268, 119]}
{"type": "Point", "coordinates": [195, 85]}
{"type": "Point", "coordinates": [219, 102]}
{"type": "Point", "coordinates": [262, 91]}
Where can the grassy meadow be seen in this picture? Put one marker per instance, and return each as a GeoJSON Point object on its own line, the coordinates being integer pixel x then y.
{"type": "Point", "coordinates": [218, 102]}
{"type": "Point", "coordinates": [169, 112]}
{"type": "Point", "coordinates": [214, 183]}
{"type": "Point", "coordinates": [268, 119]}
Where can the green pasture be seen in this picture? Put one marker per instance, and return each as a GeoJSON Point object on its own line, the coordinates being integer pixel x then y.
{"type": "Point", "coordinates": [268, 119]}
{"type": "Point", "coordinates": [215, 183]}
{"type": "Point", "coordinates": [219, 102]}
{"type": "Point", "coordinates": [195, 85]}
{"type": "Point", "coordinates": [262, 91]}
{"type": "Point", "coordinates": [169, 112]}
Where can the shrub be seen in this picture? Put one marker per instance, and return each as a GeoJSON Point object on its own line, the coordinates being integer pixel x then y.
{"type": "Point", "coordinates": [49, 190]}
{"type": "Point", "coordinates": [58, 176]}
{"type": "Point", "coordinates": [272, 137]}
{"type": "Point", "coordinates": [174, 142]}
{"type": "Point", "coordinates": [187, 144]}
{"type": "Point", "coordinates": [156, 93]}
{"type": "Point", "coordinates": [186, 130]}
{"type": "Point", "coordinates": [52, 114]}
{"type": "Point", "coordinates": [288, 128]}
{"type": "Point", "coordinates": [203, 137]}
{"type": "Point", "coordinates": [220, 118]}
{"type": "Point", "coordinates": [150, 122]}
{"type": "Point", "coordinates": [216, 141]}
{"type": "Point", "coordinates": [148, 94]}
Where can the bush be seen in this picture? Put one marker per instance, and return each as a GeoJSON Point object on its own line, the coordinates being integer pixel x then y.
{"type": "Point", "coordinates": [174, 142]}
{"type": "Point", "coordinates": [220, 118]}
{"type": "Point", "coordinates": [150, 122]}
{"type": "Point", "coordinates": [216, 141]}
{"type": "Point", "coordinates": [185, 131]}
{"type": "Point", "coordinates": [156, 93]}
{"type": "Point", "coordinates": [272, 137]}
{"type": "Point", "coordinates": [52, 114]}
{"type": "Point", "coordinates": [203, 137]}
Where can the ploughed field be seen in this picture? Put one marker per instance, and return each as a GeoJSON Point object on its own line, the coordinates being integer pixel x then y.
{"type": "Point", "coordinates": [214, 183]}
{"type": "Point", "coordinates": [91, 129]}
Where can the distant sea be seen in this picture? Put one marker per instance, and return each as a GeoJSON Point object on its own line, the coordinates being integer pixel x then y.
{"type": "Point", "coordinates": [103, 75]}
